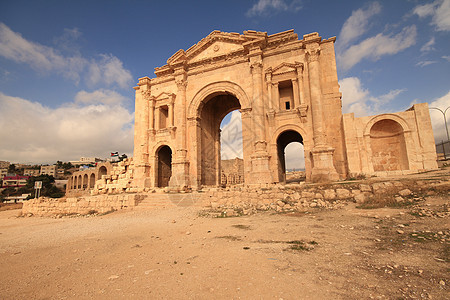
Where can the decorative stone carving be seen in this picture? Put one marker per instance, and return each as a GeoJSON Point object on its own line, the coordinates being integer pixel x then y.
{"type": "Point", "coordinates": [286, 89]}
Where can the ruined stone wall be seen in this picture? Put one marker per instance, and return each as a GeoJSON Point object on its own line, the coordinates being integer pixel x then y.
{"type": "Point", "coordinates": [237, 200]}
{"type": "Point", "coordinates": [81, 205]}
{"type": "Point", "coordinates": [390, 144]}
{"type": "Point", "coordinates": [232, 171]}
{"type": "Point", "coordinates": [118, 180]}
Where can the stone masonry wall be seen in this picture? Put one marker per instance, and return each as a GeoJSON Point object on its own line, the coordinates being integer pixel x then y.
{"type": "Point", "coordinates": [298, 197]}
{"type": "Point", "coordinates": [81, 205]}
{"type": "Point", "coordinates": [237, 200]}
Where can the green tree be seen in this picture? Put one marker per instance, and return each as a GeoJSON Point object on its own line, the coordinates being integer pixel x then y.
{"type": "Point", "coordinates": [48, 187]}
{"type": "Point", "coordinates": [12, 168]}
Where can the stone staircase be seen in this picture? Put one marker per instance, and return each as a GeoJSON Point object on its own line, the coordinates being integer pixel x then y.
{"type": "Point", "coordinates": [168, 200]}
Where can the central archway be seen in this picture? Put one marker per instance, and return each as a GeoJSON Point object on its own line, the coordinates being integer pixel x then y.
{"type": "Point", "coordinates": [212, 111]}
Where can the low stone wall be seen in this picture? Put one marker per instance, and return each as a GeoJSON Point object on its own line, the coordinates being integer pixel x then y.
{"type": "Point", "coordinates": [247, 200]}
{"type": "Point", "coordinates": [301, 197]}
{"type": "Point", "coordinates": [80, 205]}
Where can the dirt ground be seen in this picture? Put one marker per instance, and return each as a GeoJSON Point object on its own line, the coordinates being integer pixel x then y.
{"type": "Point", "coordinates": [350, 253]}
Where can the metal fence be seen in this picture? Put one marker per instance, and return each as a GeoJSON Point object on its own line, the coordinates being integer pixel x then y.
{"type": "Point", "coordinates": [443, 150]}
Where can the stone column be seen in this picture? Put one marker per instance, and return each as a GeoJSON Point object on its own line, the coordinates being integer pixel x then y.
{"type": "Point", "coordinates": [170, 105]}
{"type": "Point", "coordinates": [276, 96]}
{"type": "Point", "coordinates": [301, 84]}
{"type": "Point", "coordinates": [151, 120]}
{"type": "Point", "coordinates": [180, 165]}
{"type": "Point", "coordinates": [295, 92]}
{"type": "Point", "coordinates": [260, 159]}
{"type": "Point", "coordinates": [141, 137]}
{"type": "Point", "coordinates": [157, 118]}
{"type": "Point", "coordinates": [218, 158]}
{"type": "Point", "coordinates": [247, 141]}
{"type": "Point", "coordinates": [323, 167]}
{"type": "Point", "coordinates": [269, 91]}
{"type": "Point", "coordinates": [194, 150]}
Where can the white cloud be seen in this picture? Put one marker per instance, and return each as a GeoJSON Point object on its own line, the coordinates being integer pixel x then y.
{"type": "Point", "coordinates": [425, 63]}
{"type": "Point", "coordinates": [38, 134]}
{"type": "Point", "coordinates": [352, 92]}
{"type": "Point", "coordinates": [265, 7]}
{"type": "Point", "coordinates": [99, 96]}
{"type": "Point", "coordinates": [356, 25]}
{"type": "Point", "coordinates": [295, 156]}
{"type": "Point", "coordinates": [446, 57]}
{"type": "Point", "coordinates": [231, 137]}
{"type": "Point", "coordinates": [437, 118]}
{"type": "Point", "coordinates": [358, 100]}
{"type": "Point", "coordinates": [377, 46]}
{"type": "Point", "coordinates": [439, 11]}
{"type": "Point", "coordinates": [428, 46]}
{"type": "Point", "coordinates": [108, 69]}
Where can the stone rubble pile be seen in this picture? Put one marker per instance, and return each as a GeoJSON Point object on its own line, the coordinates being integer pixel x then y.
{"type": "Point", "coordinates": [119, 181]}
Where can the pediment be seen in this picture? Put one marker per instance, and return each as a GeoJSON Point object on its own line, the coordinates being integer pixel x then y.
{"type": "Point", "coordinates": [164, 96]}
{"type": "Point", "coordinates": [216, 44]}
{"type": "Point", "coordinates": [284, 68]}
{"type": "Point", "coordinates": [215, 49]}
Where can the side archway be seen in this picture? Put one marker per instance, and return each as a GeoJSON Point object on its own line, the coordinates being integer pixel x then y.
{"type": "Point", "coordinates": [282, 137]}
{"type": "Point", "coordinates": [163, 165]}
{"type": "Point", "coordinates": [388, 146]}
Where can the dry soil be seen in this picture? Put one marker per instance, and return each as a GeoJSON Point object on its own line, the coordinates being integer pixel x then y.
{"type": "Point", "coordinates": [177, 253]}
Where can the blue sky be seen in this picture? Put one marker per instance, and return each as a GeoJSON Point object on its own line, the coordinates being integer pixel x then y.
{"type": "Point", "coordinates": [67, 68]}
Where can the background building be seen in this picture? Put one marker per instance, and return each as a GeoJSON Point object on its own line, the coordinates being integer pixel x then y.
{"type": "Point", "coordinates": [48, 170]}
{"type": "Point", "coordinates": [4, 164]}
{"type": "Point", "coordinates": [31, 172]}
{"type": "Point", "coordinates": [14, 181]}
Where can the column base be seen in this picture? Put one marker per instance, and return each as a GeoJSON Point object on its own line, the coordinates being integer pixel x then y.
{"type": "Point", "coordinates": [141, 178]}
{"type": "Point", "coordinates": [323, 170]}
{"type": "Point", "coordinates": [260, 173]}
{"type": "Point", "coordinates": [179, 181]}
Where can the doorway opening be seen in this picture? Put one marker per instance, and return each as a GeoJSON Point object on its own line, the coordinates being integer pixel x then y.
{"type": "Point", "coordinates": [164, 157]}
{"type": "Point", "coordinates": [291, 157]}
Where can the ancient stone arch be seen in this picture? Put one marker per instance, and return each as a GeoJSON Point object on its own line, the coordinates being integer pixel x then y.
{"type": "Point", "coordinates": [217, 88]}
{"type": "Point", "coordinates": [279, 82]}
{"type": "Point", "coordinates": [274, 148]}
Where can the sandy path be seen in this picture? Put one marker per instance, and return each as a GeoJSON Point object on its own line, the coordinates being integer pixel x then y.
{"type": "Point", "coordinates": [176, 254]}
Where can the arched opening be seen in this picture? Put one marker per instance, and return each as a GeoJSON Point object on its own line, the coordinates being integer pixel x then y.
{"type": "Point", "coordinates": [291, 157]}
{"type": "Point", "coordinates": [231, 150]}
{"type": "Point", "coordinates": [102, 171]}
{"type": "Point", "coordinates": [74, 179]}
{"type": "Point", "coordinates": [92, 181]}
{"type": "Point", "coordinates": [164, 163]}
{"type": "Point", "coordinates": [79, 182]}
{"type": "Point", "coordinates": [85, 181]}
{"type": "Point", "coordinates": [212, 110]}
{"type": "Point", "coordinates": [388, 146]}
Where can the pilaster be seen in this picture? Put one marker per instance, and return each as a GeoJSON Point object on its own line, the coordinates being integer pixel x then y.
{"type": "Point", "coordinates": [260, 173]}
{"type": "Point", "coordinates": [323, 166]}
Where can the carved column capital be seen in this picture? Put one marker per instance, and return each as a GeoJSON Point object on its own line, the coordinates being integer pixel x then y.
{"type": "Point", "coordinates": [245, 112]}
{"type": "Point", "coordinates": [181, 84]}
{"type": "Point", "coordinates": [313, 54]}
{"type": "Point", "coordinates": [147, 95]}
{"type": "Point", "coordinates": [256, 66]}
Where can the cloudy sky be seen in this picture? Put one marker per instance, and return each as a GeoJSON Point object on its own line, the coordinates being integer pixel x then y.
{"type": "Point", "coordinates": [67, 68]}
